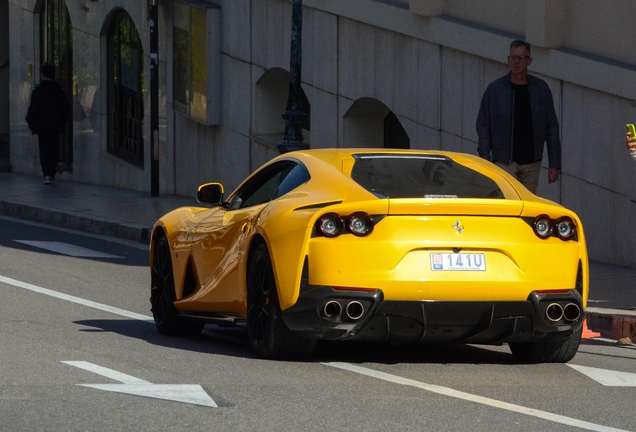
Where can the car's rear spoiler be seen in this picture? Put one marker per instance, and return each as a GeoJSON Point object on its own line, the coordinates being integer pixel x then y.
{"type": "Point", "coordinates": [455, 206]}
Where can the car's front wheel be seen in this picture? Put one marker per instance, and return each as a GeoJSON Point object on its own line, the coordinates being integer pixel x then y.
{"type": "Point", "coordinates": [269, 336]}
{"type": "Point", "coordinates": [162, 294]}
{"type": "Point", "coordinates": [550, 351]}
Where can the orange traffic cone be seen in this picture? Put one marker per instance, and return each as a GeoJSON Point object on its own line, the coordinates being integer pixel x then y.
{"type": "Point", "coordinates": [587, 333]}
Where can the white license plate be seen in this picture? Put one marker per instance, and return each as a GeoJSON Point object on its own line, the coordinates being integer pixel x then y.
{"type": "Point", "coordinates": [458, 261]}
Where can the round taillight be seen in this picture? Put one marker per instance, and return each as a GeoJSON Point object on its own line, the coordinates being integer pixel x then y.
{"type": "Point", "coordinates": [360, 224]}
{"type": "Point", "coordinates": [330, 225]}
{"type": "Point", "coordinates": [542, 226]}
{"type": "Point", "coordinates": [565, 228]}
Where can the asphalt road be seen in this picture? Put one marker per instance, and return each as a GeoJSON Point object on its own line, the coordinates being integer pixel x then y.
{"type": "Point", "coordinates": [74, 312]}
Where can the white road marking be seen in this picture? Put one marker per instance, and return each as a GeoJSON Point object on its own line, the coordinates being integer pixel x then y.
{"type": "Point", "coordinates": [128, 243]}
{"type": "Point", "coordinates": [606, 377]}
{"type": "Point", "coordinates": [108, 373]}
{"type": "Point", "coordinates": [77, 300]}
{"type": "Point", "coordinates": [446, 391]}
{"type": "Point", "coordinates": [67, 249]}
{"type": "Point", "coordinates": [187, 393]}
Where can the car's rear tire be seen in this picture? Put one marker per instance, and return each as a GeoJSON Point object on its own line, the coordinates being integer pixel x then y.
{"type": "Point", "coordinates": [268, 335]}
{"type": "Point", "coordinates": [550, 351]}
{"type": "Point", "coordinates": [162, 294]}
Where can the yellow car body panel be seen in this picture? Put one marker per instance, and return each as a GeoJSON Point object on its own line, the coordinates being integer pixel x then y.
{"type": "Point", "coordinates": [179, 226]}
{"type": "Point", "coordinates": [217, 259]}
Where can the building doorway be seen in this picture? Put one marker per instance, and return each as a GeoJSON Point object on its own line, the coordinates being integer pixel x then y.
{"type": "Point", "coordinates": [56, 42]}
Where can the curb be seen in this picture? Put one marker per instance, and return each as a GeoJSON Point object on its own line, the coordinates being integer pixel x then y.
{"type": "Point", "coordinates": [136, 233]}
{"type": "Point", "coordinates": [612, 323]}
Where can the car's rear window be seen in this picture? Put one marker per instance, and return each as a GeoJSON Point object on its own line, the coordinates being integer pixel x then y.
{"type": "Point", "coordinates": [409, 176]}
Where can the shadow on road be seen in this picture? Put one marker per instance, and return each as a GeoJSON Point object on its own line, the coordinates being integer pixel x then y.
{"type": "Point", "coordinates": [233, 342]}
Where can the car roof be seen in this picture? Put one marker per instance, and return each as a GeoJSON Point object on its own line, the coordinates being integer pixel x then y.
{"type": "Point", "coordinates": [334, 155]}
{"type": "Point", "coordinates": [342, 160]}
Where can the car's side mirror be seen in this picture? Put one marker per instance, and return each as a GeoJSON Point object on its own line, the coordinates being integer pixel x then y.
{"type": "Point", "coordinates": [210, 193]}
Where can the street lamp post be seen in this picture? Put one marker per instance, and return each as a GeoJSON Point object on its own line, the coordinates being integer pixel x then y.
{"type": "Point", "coordinates": [293, 114]}
{"type": "Point", "coordinates": [153, 16]}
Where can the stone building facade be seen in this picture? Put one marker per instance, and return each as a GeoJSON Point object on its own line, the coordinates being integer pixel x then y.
{"type": "Point", "coordinates": [375, 73]}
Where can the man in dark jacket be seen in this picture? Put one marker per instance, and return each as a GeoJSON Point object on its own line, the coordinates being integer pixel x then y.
{"type": "Point", "coordinates": [47, 116]}
{"type": "Point", "coordinates": [516, 119]}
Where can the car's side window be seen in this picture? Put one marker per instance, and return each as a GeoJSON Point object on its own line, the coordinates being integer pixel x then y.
{"type": "Point", "coordinates": [297, 176]}
{"type": "Point", "coordinates": [270, 183]}
{"type": "Point", "coordinates": [267, 191]}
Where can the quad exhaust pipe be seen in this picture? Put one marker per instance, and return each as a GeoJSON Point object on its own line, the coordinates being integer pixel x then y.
{"type": "Point", "coordinates": [333, 309]}
{"type": "Point", "coordinates": [355, 310]}
{"type": "Point", "coordinates": [555, 312]}
{"type": "Point", "coordinates": [571, 312]}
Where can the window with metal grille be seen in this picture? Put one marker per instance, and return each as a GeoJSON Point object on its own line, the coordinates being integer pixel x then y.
{"type": "Point", "coordinates": [125, 78]}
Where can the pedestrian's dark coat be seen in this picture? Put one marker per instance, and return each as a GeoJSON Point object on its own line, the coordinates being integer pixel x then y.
{"type": "Point", "coordinates": [49, 109]}
{"type": "Point", "coordinates": [495, 121]}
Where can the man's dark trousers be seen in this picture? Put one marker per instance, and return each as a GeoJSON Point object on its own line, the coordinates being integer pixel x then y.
{"type": "Point", "coordinates": [49, 152]}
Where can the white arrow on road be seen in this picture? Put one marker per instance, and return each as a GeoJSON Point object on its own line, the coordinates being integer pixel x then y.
{"type": "Point", "coordinates": [67, 249]}
{"type": "Point", "coordinates": [608, 378]}
{"type": "Point", "coordinates": [187, 393]}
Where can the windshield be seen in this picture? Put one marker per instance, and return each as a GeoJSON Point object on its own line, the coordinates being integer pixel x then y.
{"type": "Point", "coordinates": [413, 176]}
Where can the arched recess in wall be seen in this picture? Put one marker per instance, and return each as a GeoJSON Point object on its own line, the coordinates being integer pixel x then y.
{"type": "Point", "coordinates": [272, 90]}
{"type": "Point", "coordinates": [124, 82]}
{"type": "Point", "coordinates": [56, 48]}
{"type": "Point", "coordinates": [370, 123]}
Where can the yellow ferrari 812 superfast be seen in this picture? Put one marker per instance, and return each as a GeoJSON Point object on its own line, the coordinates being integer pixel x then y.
{"type": "Point", "coordinates": [374, 245]}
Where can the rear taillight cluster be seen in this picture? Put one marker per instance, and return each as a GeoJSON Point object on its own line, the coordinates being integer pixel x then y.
{"type": "Point", "coordinates": [332, 224]}
{"type": "Point", "coordinates": [562, 227]}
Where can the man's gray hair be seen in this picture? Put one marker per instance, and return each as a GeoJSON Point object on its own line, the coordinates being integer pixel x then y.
{"type": "Point", "coordinates": [519, 43]}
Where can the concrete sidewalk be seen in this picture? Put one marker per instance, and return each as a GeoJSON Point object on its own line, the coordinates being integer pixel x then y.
{"type": "Point", "coordinates": [130, 215]}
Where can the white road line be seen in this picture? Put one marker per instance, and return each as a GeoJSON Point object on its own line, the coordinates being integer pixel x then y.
{"type": "Point", "coordinates": [77, 300]}
{"type": "Point", "coordinates": [67, 249]}
{"type": "Point", "coordinates": [446, 391]}
{"type": "Point", "coordinates": [608, 378]}
{"type": "Point", "coordinates": [108, 373]}
{"type": "Point", "coordinates": [129, 243]}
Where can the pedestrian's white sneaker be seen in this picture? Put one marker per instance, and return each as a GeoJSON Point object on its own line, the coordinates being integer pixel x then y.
{"type": "Point", "coordinates": [47, 179]}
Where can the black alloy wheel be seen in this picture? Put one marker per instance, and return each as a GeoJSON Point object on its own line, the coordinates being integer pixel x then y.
{"type": "Point", "coordinates": [162, 294]}
{"type": "Point", "coordinates": [268, 335]}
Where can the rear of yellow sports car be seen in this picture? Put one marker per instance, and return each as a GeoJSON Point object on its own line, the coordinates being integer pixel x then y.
{"type": "Point", "coordinates": [447, 248]}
